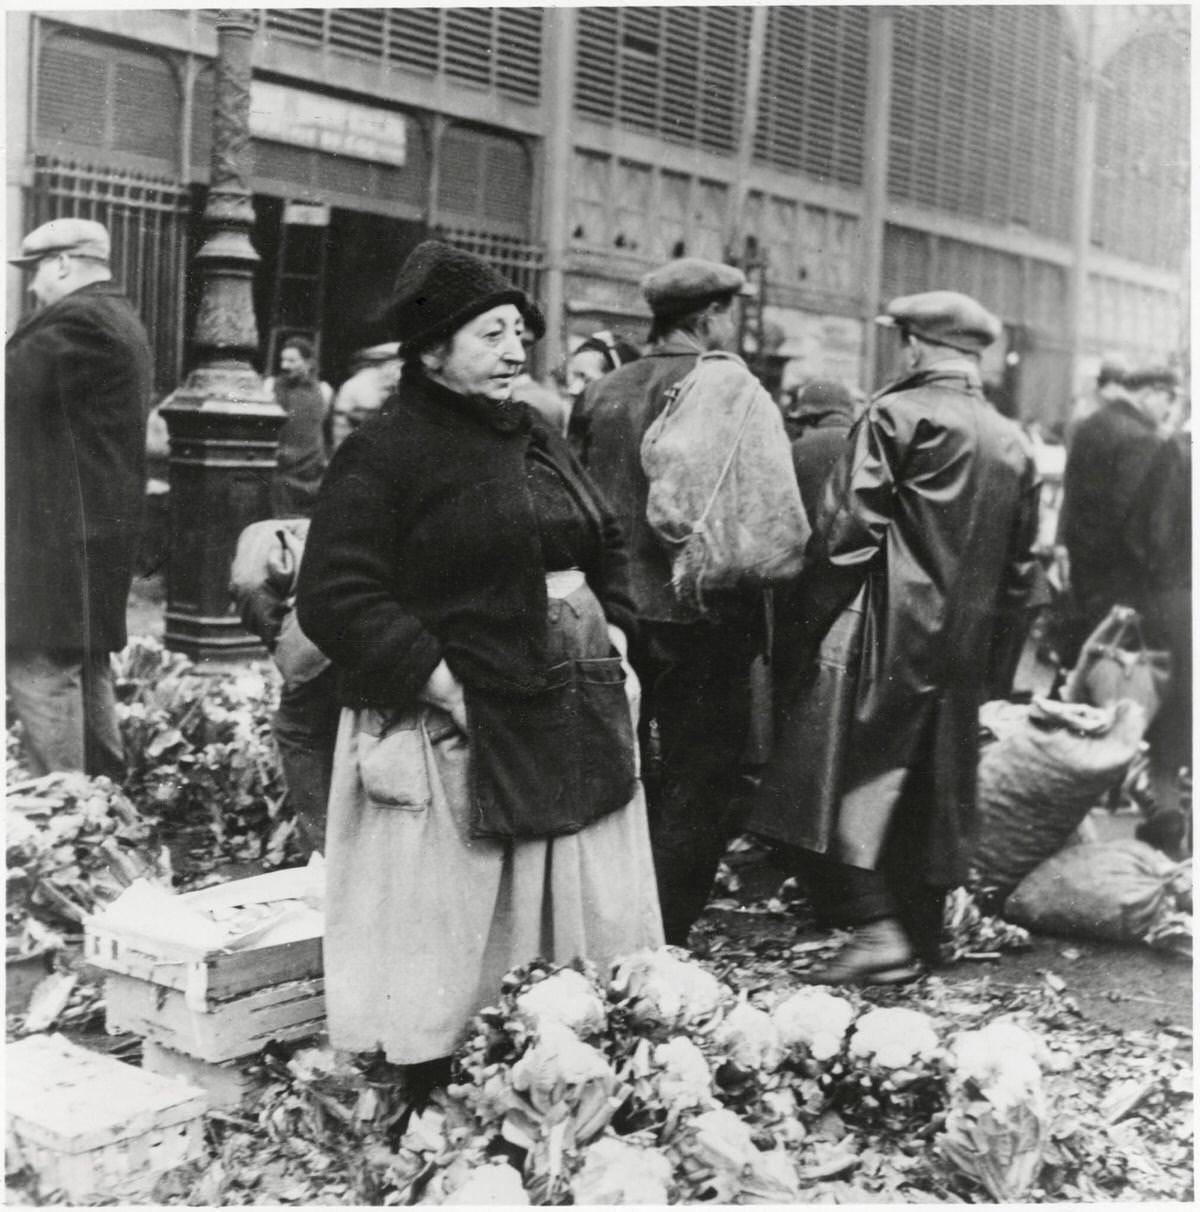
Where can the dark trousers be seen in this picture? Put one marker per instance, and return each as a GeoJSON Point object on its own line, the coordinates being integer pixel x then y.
{"type": "Point", "coordinates": [305, 728]}
{"type": "Point", "coordinates": [696, 689]}
{"type": "Point", "coordinates": [897, 887]}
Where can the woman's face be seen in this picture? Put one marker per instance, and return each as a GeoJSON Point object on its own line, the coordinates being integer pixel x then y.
{"type": "Point", "coordinates": [584, 369]}
{"type": "Point", "coordinates": [483, 357]}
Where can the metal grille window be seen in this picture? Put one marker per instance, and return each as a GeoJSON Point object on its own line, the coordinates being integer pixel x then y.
{"type": "Point", "coordinates": [674, 72]}
{"type": "Point", "coordinates": [485, 181]}
{"type": "Point", "coordinates": [1142, 156]}
{"type": "Point", "coordinates": [519, 261]}
{"type": "Point", "coordinates": [495, 48]}
{"type": "Point", "coordinates": [813, 98]}
{"type": "Point", "coordinates": [147, 220]}
{"type": "Point", "coordinates": [100, 101]}
{"type": "Point", "coordinates": [984, 107]}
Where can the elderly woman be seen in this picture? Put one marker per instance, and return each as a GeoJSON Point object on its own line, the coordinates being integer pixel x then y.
{"type": "Point", "coordinates": [470, 586]}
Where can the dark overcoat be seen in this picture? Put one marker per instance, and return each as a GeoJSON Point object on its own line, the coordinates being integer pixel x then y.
{"type": "Point", "coordinates": [1107, 470]}
{"type": "Point", "coordinates": [932, 509]}
{"type": "Point", "coordinates": [78, 383]}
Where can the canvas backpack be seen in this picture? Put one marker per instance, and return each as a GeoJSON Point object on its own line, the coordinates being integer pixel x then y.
{"type": "Point", "coordinates": [723, 493]}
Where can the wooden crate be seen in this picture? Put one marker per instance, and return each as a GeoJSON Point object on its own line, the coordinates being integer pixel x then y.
{"type": "Point", "coordinates": [205, 977]}
{"type": "Point", "coordinates": [227, 1085]}
{"type": "Point", "coordinates": [92, 1127]}
{"type": "Point", "coordinates": [218, 1030]}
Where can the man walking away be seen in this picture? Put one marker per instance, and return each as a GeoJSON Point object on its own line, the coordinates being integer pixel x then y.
{"type": "Point", "coordinates": [694, 668]}
{"type": "Point", "coordinates": [302, 456]}
{"type": "Point", "coordinates": [78, 383]}
{"type": "Point", "coordinates": [1108, 464]}
{"type": "Point", "coordinates": [933, 510]}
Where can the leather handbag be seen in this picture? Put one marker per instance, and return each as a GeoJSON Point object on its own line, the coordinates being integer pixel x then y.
{"type": "Point", "coordinates": [1115, 663]}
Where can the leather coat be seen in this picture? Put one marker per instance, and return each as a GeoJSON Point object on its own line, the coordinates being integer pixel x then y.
{"type": "Point", "coordinates": [933, 510]}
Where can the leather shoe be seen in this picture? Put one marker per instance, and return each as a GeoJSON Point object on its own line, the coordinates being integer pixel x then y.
{"type": "Point", "coordinates": [879, 954]}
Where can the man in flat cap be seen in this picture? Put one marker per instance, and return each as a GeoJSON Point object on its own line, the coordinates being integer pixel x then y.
{"type": "Point", "coordinates": [930, 515]}
{"type": "Point", "coordinates": [78, 381]}
{"type": "Point", "coordinates": [694, 670]}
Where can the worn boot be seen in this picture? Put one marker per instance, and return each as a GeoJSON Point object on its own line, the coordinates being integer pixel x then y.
{"type": "Point", "coordinates": [879, 954]}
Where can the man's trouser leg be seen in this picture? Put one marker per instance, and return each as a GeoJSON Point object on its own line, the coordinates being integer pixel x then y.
{"type": "Point", "coordinates": [305, 728]}
{"type": "Point", "coordinates": [695, 680]}
{"type": "Point", "coordinates": [68, 710]}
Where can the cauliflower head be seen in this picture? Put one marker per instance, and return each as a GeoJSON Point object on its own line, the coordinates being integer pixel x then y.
{"type": "Point", "coordinates": [894, 1037]}
{"type": "Point", "coordinates": [566, 997]}
{"type": "Point", "coordinates": [814, 1019]}
{"type": "Point", "coordinates": [750, 1038]}
{"type": "Point", "coordinates": [663, 991]}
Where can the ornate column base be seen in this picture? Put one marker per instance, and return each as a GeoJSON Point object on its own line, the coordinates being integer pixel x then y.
{"type": "Point", "coordinates": [224, 431]}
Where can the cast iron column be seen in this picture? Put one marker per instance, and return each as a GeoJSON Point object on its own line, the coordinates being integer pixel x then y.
{"type": "Point", "coordinates": [223, 424]}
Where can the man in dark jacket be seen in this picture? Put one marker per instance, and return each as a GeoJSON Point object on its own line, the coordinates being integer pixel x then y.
{"type": "Point", "coordinates": [694, 670]}
{"type": "Point", "coordinates": [932, 511]}
{"type": "Point", "coordinates": [78, 381]}
{"type": "Point", "coordinates": [1107, 468]}
{"type": "Point", "coordinates": [817, 422]}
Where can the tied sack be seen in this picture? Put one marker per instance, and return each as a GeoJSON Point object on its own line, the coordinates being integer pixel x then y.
{"type": "Point", "coordinates": [723, 493]}
{"type": "Point", "coordinates": [1047, 765]}
{"type": "Point", "coordinates": [1111, 891]}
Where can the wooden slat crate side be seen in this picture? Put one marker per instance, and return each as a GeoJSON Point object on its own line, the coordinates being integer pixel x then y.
{"type": "Point", "coordinates": [231, 1029]}
{"type": "Point", "coordinates": [227, 1085]}
{"type": "Point", "coordinates": [204, 978]}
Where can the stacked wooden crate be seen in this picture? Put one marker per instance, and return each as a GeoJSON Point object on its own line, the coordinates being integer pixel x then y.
{"type": "Point", "coordinates": [202, 1012]}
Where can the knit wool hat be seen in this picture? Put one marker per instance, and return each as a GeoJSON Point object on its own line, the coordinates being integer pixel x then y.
{"type": "Point", "coordinates": [439, 288]}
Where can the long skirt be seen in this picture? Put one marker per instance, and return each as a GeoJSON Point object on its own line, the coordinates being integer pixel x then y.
{"type": "Point", "coordinates": [423, 920]}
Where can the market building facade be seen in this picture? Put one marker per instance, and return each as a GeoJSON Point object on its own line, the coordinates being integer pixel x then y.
{"type": "Point", "coordinates": [1034, 156]}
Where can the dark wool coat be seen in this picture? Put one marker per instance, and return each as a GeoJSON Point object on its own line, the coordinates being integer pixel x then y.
{"type": "Point", "coordinates": [1108, 465]}
{"type": "Point", "coordinates": [78, 382]}
{"type": "Point", "coordinates": [815, 451]}
{"type": "Point", "coordinates": [933, 507]}
{"type": "Point", "coordinates": [424, 545]}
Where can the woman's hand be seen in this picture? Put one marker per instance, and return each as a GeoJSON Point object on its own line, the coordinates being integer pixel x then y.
{"type": "Point", "coordinates": [444, 690]}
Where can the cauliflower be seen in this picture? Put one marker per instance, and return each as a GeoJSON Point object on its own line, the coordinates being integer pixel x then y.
{"type": "Point", "coordinates": [664, 992]}
{"type": "Point", "coordinates": [559, 1059]}
{"type": "Point", "coordinates": [750, 1038]}
{"type": "Point", "coordinates": [685, 1074]}
{"type": "Point", "coordinates": [1001, 1061]}
{"type": "Point", "coordinates": [561, 1073]}
{"type": "Point", "coordinates": [494, 1186]}
{"type": "Point", "coordinates": [814, 1019]}
{"type": "Point", "coordinates": [722, 1158]}
{"type": "Point", "coordinates": [617, 1172]}
{"type": "Point", "coordinates": [566, 997]}
{"type": "Point", "coordinates": [894, 1038]}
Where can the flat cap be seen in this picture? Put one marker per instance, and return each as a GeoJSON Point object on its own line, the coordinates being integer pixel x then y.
{"type": "Point", "coordinates": [944, 317]}
{"type": "Point", "coordinates": [83, 237]}
{"type": "Point", "coordinates": [688, 284]}
{"type": "Point", "coordinates": [1150, 376]}
{"type": "Point", "coordinates": [377, 353]}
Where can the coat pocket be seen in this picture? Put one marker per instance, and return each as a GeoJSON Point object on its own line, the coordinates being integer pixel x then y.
{"type": "Point", "coordinates": [392, 760]}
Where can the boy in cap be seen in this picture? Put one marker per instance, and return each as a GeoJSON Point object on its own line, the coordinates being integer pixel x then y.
{"type": "Point", "coordinates": [932, 511]}
{"type": "Point", "coordinates": [694, 670]}
{"type": "Point", "coordinates": [78, 380]}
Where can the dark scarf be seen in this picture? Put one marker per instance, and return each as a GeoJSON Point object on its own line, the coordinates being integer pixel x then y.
{"type": "Point", "coordinates": [504, 416]}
